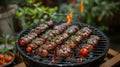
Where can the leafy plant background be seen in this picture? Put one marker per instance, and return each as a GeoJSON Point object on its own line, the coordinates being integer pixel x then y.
{"type": "Point", "coordinates": [33, 12]}
{"type": "Point", "coordinates": [95, 12]}
{"type": "Point", "coordinates": [6, 45]}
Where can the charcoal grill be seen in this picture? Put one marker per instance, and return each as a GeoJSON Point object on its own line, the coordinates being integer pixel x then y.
{"type": "Point", "coordinates": [96, 56]}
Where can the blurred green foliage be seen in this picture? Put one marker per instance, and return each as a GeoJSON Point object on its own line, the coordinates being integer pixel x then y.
{"type": "Point", "coordinates": [95, 12]}
{"type": "Point", "coordinates": [4, 47]}
{"type": "Point", "coordinates": [33, 12]}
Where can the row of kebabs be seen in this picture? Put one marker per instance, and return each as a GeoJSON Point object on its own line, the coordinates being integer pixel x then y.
{"type": "Point", "coordinates": [66, 50]}
{"type": "Point", "coordinates": [35, 32]}
{"type": "Point", "coordinates": [34, 36]}
{"type": "Point", "coordinates": [56, 41]}
{"type": "Point", "coordinates": [61, 38]}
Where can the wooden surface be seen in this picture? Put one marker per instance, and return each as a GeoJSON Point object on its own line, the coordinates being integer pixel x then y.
{"type": "Point", "coordinates": [20, 65]}
{"type": "Point", "coordinates": [111, 59]}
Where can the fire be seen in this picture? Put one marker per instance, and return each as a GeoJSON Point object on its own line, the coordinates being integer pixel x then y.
{"type": "Point", "coordinates": [73, 2]}
{"type": "Point", "coordinates": [81, 6]}
{"type": "Point", "coordinates": [69, 18]}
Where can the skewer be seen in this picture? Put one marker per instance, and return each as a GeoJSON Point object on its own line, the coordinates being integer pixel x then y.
{"type": "Point", "coordinates": [50, 46]}
{"type": "Point", "coordinates": [66, 49]}
{"type": "Point", "coordinates": [35, 32]}
{"type": "Point", "coordinates": [47, 36]}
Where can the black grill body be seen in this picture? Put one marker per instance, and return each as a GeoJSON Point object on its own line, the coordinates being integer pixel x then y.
{"type": "Point", "coordinates": [93, 60]}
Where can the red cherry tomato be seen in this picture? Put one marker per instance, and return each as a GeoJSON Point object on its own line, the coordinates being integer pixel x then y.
{"type": "Point", "coordinates": [29, 49]}
{"type": "Point", "coordinates": [8, 58]}
{"type": "Point", "coordinates": [84, 52]}
{"type": "Point", "coordinates": [1, 62]}
{"type": "Point", "coordinates": [1, 56]}
{"type": "Point", "coordinates": [22, 42]}
{"type": "Point", "coordinates": [68, 46]}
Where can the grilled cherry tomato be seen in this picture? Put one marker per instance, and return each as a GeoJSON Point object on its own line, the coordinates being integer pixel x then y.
{"type": "Point", "coordinates": [1, 62]}
{"type": "Point", "coordinates": [22, 42]}
{"type": "Point", "coordinates": [8, 58]}
{"type": "Point", "coordinates": [1, 56]}
{"type": "Point", "coordinates": [69, 46]}
{"type": "Point", "coordinates": [84, 52]}
{"type": "Point", "coordinates": [29, 49]}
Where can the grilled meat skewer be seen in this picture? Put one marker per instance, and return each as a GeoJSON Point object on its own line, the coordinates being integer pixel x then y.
{"type": "Point", "coordinates": [91, 43]}
{"type": "Point", "coordinates": [66, 50]}
{"type": "Point", "coordinates": [93, 40]}
{"type": "Point", "coordinates": [58, 41]}
{"type": "Point", "coordinates": [47, 36]}
{"type": "Point", "coordinates": [34, 33]}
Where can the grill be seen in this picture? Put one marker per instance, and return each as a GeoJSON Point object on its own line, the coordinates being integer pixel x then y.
{"type": "Point", "coordinates": [96, 56]}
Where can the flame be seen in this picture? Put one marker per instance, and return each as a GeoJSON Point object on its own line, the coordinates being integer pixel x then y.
{"type": "Point", "coordinates": [69, 18]}
{"type": "Point", "coordinates": [81, 6]}
{"type": "Point", "coordinates": [73, 2]}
